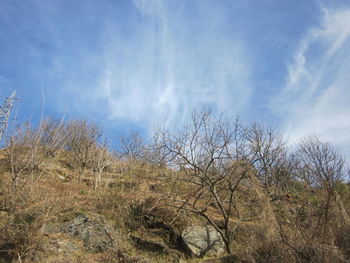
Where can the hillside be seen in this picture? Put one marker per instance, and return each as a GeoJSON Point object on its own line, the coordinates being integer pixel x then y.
{"type": "Point", "coordinates": [55, 208]}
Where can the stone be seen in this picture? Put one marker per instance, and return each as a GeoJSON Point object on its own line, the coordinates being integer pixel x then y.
{"type": "Point", "coordinates": [203, 241]}
{"type": "Point", "coordinates": [96, 234]}
{"type": "Point", "coordinates": [58, 248]}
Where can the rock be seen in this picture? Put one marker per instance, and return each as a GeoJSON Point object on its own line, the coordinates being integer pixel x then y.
{"type": "Point", "coordinates": [58, 248]}
{"type": "Point", "coordinates": [52, 228]}
{"type": "Point", "coordinates": [203, 241]}
{"type": "Point", "coordinates": [96, 234]}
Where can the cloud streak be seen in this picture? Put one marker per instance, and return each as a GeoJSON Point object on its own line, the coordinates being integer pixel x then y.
{"type": "Point", "coordinates": [135, 63]}
{"type": "Point", "coordinates": [316, 96]}
{"type": "Point", "coordinates": [164, 71]}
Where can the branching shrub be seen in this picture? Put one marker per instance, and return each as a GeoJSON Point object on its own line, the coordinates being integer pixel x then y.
{"type": "Point", "coordinates": [27, 149]}
{"type": "Point", "coordinates": [101, 159]}
{"type": "Point", "coordinates": [321, 167]}
{"type": "Point", "coordinates": [82, 138]}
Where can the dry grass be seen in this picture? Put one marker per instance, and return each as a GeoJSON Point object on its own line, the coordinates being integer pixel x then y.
{"type": "Point", "coordinates": [57, 196]}
{"type": "Point", "coordinates": [132, 192]}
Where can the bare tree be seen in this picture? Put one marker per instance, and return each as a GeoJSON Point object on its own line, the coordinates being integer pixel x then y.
{"type": "Point", "coordinates": [208, 177]}
{"type": "Point", "coordinates": [101, 159]}
{"type": "Point", "coordinates": [53, 136]}
{"type": "Point", "coordinates": [321, 166]}
{"type": "Point", "coordinates": [82, 138]}
{"type": "Point", "coordinates": [268, 154]}
{"type": "Point", "coordinates": [133, 146]}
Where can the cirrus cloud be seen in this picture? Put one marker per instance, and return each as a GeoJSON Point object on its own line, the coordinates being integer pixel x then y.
{"type": "Point", "coordinates": [315, 99]}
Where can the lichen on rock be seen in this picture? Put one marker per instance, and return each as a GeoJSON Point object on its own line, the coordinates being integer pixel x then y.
{"type": "Point", "coordinates": [203, 241]}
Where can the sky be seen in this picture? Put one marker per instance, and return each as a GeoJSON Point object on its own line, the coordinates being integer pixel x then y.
{"type": "Point", "coordinates": [131, 64]}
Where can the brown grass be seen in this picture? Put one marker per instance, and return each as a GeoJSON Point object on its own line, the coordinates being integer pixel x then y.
{"type": "Point", "coordinates": [132, 192]}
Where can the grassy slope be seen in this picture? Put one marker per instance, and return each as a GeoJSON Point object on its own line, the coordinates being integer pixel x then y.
{"type": "Point", "coordinates": [130, 191]}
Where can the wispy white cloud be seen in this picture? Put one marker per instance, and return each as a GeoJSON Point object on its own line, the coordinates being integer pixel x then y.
{"type": "Point", "coordinates": [165, 70]}
{"type": "Point", "coordinates": [142, 61]}
{"type": "Point", "coordinates": [316, 96]}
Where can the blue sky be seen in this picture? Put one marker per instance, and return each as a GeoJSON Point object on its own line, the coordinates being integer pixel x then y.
{"type": "Point", "coordinates": [130, 64]}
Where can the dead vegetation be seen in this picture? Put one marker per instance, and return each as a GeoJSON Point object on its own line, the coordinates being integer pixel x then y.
{"type": "Point", "coordinates": [268, 203]}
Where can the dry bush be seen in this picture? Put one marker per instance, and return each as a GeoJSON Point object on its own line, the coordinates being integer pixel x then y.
{"type": "Point", "coordinates": [320, 164]}
{"type": "Point", "coordinates": [82, 139]}
{"type": "Point", "coordinates": [28, 148]}
{"type": "Point", "coordinates": [21, 226]}
{"type": "Point", "coordinates": [133, 147]}
{"type": "Point", "coordinates": [269, 156]}
{"type": "Point", "coordinates": [342, 239]}
{"type": "Point", "coordinates": [21, 235]}
{"type": "Point", "coordinates": [276, 252]}
{"type": "Point", "coordinates": [321, 167]}
{"type": "Point", "coordinates": [52, 136]}
{"type": "Point", "coordinates": [101, 160]}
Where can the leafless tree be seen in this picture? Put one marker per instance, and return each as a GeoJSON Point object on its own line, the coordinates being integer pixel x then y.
{"type": "Point", "coordinates": [268, 154]}
{"type": "Point", "coordinates": [53, 136]}
{"type": "Point", "coordinates": [132, 146]}
{"type": "Point", "coordinates": [321, 166]}
{"type": "Point", "coordinates": [82, 138]}
{"type": "Point", "coordinates": [208, 176]}
{"type": "Point", "coordinates": [155, 152]}
{"type": "Point", "coordinates": [101, 159]}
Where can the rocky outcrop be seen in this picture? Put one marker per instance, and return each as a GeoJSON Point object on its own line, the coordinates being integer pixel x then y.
{"type": "Point", "coordinates": [97, 235]}
{"type": "Point", "coordinates": [93, 230]}
{"type": "Point", "coordinates": [203, 241]}
{"type": "Point", "coordinates": [59, 248]}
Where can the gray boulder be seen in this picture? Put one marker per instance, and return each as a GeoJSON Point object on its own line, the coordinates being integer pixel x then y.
{"type": "Point", "coordinates": [58, 248]}
{"type": "Point", "coordinates": [97, 235]}
{"type": "Point", "coordinates": [203, 241]}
